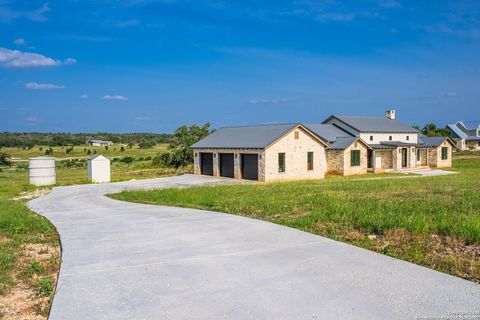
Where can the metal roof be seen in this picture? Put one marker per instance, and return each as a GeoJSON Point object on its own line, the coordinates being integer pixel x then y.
{"type": "Point", "coordinates": [459, 132]}
{"type": "Point", "coordinates": [99, 141]}
{"type": "Point", "coordinates": [374, 124]}
{"type": "Point", "coordinates": [98, 157]}
{"type": "Point", "coordinates": [381, 146]}
{"type": "Point", "coordinates": [343, 142]}
{"type": "Point", "coordinates": [471, 125]}
{"type": "Point", "coordinates": [327, 132]}
{"type": "Point", "coordinates": [431, 141]}
{"type": "Point", "coordinates": [249, 137]}
{"type": "Point", "coordinates": [397, 143]}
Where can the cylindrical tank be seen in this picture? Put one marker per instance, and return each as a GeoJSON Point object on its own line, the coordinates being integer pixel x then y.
{"type": "Point", "coordinates": [42, 171]}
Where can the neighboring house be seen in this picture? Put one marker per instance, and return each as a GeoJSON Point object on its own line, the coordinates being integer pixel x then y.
{"type": "Point", "coordinates": [99, 143]}
{"type": "Point", "coordinates": [466, 134]}
{"type": "Point", "coordinates": [343, 145]}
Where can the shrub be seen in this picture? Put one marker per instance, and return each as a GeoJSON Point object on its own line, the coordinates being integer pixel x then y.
{"type": "Point", "coordinates": [122, 149]}
{"type": "Point", "coordinates": [146, 145]}
{"type": "Point", "coordinates": [5, 159]}
{"type": "Point", "coordinates": [127, 160]}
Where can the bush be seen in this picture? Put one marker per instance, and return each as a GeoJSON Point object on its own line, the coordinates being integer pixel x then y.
{"type": "Point", "coordinates": [127, 160]}
{"type": "Point", "coordinates": [146, 145]}
{"type": "Point", "coordinates": [122, 149]}
{"type": "Point", "coordinates": [5, 159]}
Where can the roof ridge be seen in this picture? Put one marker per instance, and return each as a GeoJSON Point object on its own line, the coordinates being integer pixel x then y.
{"type": "Point", "coordinates": [262, 125]}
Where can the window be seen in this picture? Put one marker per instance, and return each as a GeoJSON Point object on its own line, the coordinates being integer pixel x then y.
{"type": "Point", "coordinates": [309, 161]}
{"type": "Point", "coordinates": [390, 138]}
{"type": "Point", "coordinates": [371, 138]}
{"type": "Point", "coordinates": [355, 158]}
{"type": "Point", "coordinates": [297, 135]}
{"type": "Point", "coordinates": [408, 138]}
{"type": "Point", "coordinates": [418, 154]}
{"type": "Point", "coordinates": [444, 153]}
{"type": "Point", "coordinates": [281, 162]}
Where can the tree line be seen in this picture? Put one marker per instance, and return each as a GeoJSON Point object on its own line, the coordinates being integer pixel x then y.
{"type": "Point", "coordinates": [30, 139]}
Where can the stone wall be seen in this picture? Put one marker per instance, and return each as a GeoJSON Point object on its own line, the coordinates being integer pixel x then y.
{"type": "Point", "coordinates": [335, 160]}
{"type": "Point", "coordinates": [295, 158]}
{"type": "Point", "coordinates": [472, 145]}
{"type": "Point", "coordinates": [435, 156]}
{"type": "Point", "coordinates": [362, 168]}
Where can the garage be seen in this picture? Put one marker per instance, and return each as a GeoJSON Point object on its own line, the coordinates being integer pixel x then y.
{"type": "Point", "coordinates": [250, 166]}
{"type": "Point", "coordinates": [227, 165]}
{"type": "Point", "coordinates": [206, 163]}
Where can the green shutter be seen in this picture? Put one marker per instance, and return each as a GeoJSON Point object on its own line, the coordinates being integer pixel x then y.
{"type": "Point", "coordinates": [444, 153]}
{"type": "Point", "coordinates": [281, 162]}
{"type": "Point", "coordinates": [355, 158]}
{"type": "Point", "coordinates": [310, 160]}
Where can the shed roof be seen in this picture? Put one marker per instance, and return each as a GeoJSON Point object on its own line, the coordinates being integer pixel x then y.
{"type": "Point", "coordinates": [98, 157]}
{"type": "Point", "coordinates": [249, 137]}
{"type": "Point", "coordinates": [374, 124]}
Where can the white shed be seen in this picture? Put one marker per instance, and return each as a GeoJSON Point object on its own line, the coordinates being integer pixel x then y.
{"type": "Point", "coordinates": [99, 169]}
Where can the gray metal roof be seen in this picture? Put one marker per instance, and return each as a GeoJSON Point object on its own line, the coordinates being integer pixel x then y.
{"type": "Point", "coordinates": [374, 124]}
{"type": "Point", "coordinates": [343, 142]}
{"type": "Point", "coordinates": [471, 125]}
{"type": "Point", "coordinates": [381, 146]}
{"type": "Point", "coordinates": [99, 141]}
{"type": "Point", "coordinates": [397, 143]}
{"type": "Point", "coordinates": [459, 132]}
{"type": "Point", "coordinates": [327, 132]}
{"type": "Point", "coordinates": [431, 141]}
{"type": "Point", "coordinates": [249, 137]}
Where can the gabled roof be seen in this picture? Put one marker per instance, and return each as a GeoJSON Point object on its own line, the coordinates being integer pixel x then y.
{"type": "Point", "coordinates": [328, 132]}
{"type": "Point", "coordinates": [99, 141]}
{"type": "Point", "coordinates": [249, 137]}
{"type": "Point", "coordinates": [344, 142]}
{"type": "Point", "coordinates": [373, 124]}
{"type": "Point", "coordinates": [459, 132]}
{"type": "Point", "coordinates": [471, 125]}
{"type": "Point", "coordinates": [98, 157]}
{"type": "Point", "coordinates": [433, 141]}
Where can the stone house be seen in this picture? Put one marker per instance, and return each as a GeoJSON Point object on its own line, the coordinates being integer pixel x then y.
{"type": "Point", "coordinates": [345, 145]}
{"type": "Point", "coordinates": [466, 134]}
{"type": "Point", "coordinates": [263, 153]}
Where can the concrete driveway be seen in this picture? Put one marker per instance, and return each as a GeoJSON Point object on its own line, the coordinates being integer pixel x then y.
{"type": "Point", "coordinates": [133, 261]}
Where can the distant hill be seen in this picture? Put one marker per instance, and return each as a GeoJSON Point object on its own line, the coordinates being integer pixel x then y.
{"type": "Point", "coordinates": [30, 139]}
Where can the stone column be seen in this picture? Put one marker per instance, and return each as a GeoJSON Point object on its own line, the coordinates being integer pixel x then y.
{"type": "Point", "coordinates": [237, 165]}
{"type": "Point", "coordinates": [216, 166]}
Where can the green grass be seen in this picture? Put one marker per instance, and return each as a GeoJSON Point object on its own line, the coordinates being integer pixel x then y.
{"type": "Point", "coordinates": [415, 219]}
{"type": "Point", "coordinates": [81, 151]}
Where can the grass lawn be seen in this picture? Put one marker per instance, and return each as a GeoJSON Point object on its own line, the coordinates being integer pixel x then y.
{"type": "Point", "coordinates": [431, 221]}
{"type": "Point", "coordinates": [29, 244]}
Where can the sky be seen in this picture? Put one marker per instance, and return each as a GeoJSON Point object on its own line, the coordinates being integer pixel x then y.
{"type": "Point", "coordinates": [152, 65]}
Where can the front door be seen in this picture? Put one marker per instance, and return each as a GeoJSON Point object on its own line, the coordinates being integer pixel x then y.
{"type": "Point", "coordinates": [369, 159]}
{"type": "Point", "coordinates": [404, 157]}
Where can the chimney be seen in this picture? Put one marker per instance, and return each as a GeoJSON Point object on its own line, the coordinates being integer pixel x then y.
{"type": "Point", "coordinates": [390, 114]}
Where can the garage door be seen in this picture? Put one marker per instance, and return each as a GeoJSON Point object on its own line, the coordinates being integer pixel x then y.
{"type": "Point", "coordinates": [226, 165]}
{"type": "Point", "coordinates": [250, 166]}
{"type": "Point", "coordinates": [206, 163]}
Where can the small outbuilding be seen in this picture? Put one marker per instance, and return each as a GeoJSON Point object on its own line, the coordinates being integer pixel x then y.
{"type": "Point", "coordinates": [99, 169]}
{"type": "Point", "coordinates": [42, 171]}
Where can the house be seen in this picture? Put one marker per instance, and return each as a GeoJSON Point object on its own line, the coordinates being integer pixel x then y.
{"type": "Point", "coordinates": [466, 134]}
{"type": "Point", "coordinates": [264, 153]}
{"type": "Point", "coordinates": [99, 143]}
{"type": "Point", "coordinates": [345, 145]}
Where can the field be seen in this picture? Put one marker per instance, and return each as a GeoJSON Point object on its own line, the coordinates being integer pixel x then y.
{"type": "Point", "coordinates": [82, 151]}
{"type": "Point", "coordinates": [430, 221]}
{"type": "Point", "coordinates": [29, 244]}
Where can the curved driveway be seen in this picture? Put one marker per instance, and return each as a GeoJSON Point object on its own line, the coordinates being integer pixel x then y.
{"type": "Point", "coordinates": [133, 261]}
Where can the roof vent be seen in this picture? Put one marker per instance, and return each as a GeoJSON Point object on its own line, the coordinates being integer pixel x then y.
{"type": "Point", "coordinates": [390, 114]}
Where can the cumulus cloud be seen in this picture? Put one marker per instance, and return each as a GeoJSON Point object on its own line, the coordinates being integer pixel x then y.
{"type": "Point", "coordinates": [43, 86]}
{"type": "Point", "coordinates": [267, 101]}
{"type": "Point", "coordinates": [116, 97]}
{"type": "Point", "coordinates": [20, 59]}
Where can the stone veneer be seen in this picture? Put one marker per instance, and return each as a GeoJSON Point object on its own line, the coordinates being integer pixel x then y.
{"type": "Point", "coordinates": [338, 161]}
{"type": "Point", "coordinates": [435, 156]}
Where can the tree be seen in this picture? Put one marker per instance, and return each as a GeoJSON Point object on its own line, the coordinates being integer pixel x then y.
{"type": "Point", "coordinates": [122, 149]}
{"type": "Point", "coordinates": [5, 159]}
{"type": "Point", "coordinates": [179, 152]}
{"type": "Point", "coordinates": [431, 130]}
{"type": "Point", "coordinates": [146, 145]}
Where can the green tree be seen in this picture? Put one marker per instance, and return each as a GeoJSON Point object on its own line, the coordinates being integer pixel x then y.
{"type": "Point", "coordinates": [179, 152]}
{"type": "Point", "coordinates": [431, 130]}
{"type": "Point", "coordinates": [122, 149]}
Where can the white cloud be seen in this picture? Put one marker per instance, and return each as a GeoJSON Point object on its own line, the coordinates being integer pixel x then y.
{"type": "Point", "coordinates": [20, 42]}
{"type": "Point", "coordinates": [84, 96]}
{"type": "Point", "coordinates": [31, 120]}
{"type": "Point", "coordinates": [126, 23]}
{"type": "Point", "coordinates": [336, 17]}
{"type": "Point", "coordinates": [43, 86]}
{"type": "Point", "coordinates": [451, 94]}
{"type": "Point", "coordinates": [21, 59]}
{"type": "Point", "coordinates": [37, 15]}
{"type": "Point", "coordinates": [267, 101]}
{"type": "Point", "coordinates": [116, 97]}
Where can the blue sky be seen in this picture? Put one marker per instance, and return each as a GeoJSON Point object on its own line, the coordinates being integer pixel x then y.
{"type": "Point", "coordinates": [149, 66]}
